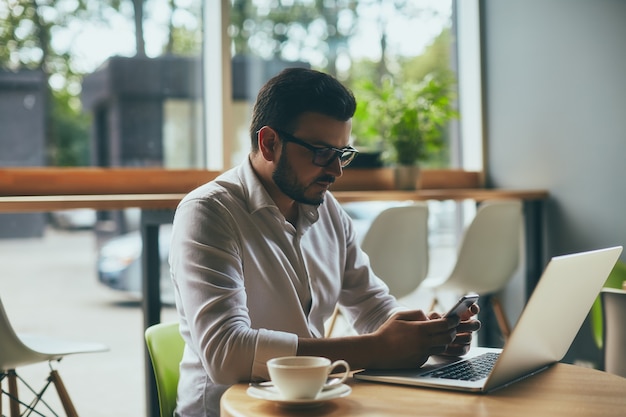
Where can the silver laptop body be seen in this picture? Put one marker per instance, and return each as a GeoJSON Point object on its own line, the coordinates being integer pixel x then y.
{"type": "Point", "coordinates": [543, 334]}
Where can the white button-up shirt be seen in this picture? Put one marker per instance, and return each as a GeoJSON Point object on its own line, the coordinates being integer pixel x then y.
{"type": "Point", "coordinates": [248, 283]}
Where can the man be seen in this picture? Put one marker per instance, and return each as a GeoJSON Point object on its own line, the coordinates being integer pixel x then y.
{"type": "Point", "coordinates": [261, 256]}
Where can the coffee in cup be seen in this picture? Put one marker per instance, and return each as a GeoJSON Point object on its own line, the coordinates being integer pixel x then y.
{"type": "Point", "coordinates": [304, 377]}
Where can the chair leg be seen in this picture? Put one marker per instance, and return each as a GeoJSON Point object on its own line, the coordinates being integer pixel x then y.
{"type": "Point", "coordinates": [333, 320]}
{"type": "Point", "coordinates": [68, 406]}
{"type": "Point", "coordinates": [433, 304]}
{"type": "Point", "coordinates": [14, 405]}
{"type": "Point", "coordinates": [503, 323]}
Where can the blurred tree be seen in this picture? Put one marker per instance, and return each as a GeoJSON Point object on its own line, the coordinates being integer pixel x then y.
{"type": "Point", "coordinates": [386, 13]}
{"type": "Point", "coordinates": [27, 32]}
{"type": "Point", "coordinates": [312, 31]}
{"type": "Point", "coordinates": [435, 59]}
{"type": "Point", "coordinates": [381, 99]}
{"type": "Point", "coordinates": [26, 28]}
{"type": "Point", "coordinates": [140, 43]}
{"type": "Point", "coordinates": [71, 132]}
{"type": "Point", "coordinates": [184, 28]}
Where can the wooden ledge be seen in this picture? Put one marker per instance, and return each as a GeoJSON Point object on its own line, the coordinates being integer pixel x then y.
{"type": "Point", "coordinates": [45, 203]}
{"type": "Point", "coordinates": [22, 204]}
{"type": "Point", "coordinates": [100, 181]}
{"type": "Point", "coordinates": [377, 179]}
{"type": "Point", "coordinates": [49, 189]}
{"type": "Point", "coordinates": [458, 194]}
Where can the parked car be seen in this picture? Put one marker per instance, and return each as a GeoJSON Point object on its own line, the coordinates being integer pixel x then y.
{"type": "Point", "coordinates": [74, 219]}
{"type": "Point", "coordinates": [119, 260]}
{"type": "Point", "coordinates": [119, 264]}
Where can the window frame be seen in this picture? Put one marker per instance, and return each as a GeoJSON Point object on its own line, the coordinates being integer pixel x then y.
{"type": "Point", "coordinates": [219, 133]}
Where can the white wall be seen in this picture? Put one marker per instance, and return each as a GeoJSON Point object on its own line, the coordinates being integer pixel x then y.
{"type": "Point", "coordinates": [555, 95]}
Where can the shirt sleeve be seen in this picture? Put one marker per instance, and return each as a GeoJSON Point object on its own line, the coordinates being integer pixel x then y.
{"type": "Point", "coordinates": [207, 272]}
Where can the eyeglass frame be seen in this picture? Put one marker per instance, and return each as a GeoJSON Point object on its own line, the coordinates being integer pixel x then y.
{"type": "Point", "coordinates": [288, 137]}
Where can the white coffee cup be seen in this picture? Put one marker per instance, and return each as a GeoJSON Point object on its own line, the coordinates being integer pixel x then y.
{"type": "Point", "coordinates": [304, 377]}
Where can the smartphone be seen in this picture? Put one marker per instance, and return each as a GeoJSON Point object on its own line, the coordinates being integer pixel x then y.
{"type": "Point", "coordinates": [462, 305]}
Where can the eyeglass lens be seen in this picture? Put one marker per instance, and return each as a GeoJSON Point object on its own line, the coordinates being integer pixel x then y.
{"type": "Point", "coordinates": [325, 157]}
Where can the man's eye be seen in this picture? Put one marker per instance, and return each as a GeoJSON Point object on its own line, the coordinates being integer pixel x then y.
{"type": "Point", "coordinates": [325, 152]}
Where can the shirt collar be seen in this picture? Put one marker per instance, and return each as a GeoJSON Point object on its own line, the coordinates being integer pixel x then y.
{"type": "Point", "coordinates": [257, 196]}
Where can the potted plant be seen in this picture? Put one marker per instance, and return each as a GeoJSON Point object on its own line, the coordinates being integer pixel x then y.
{"type": "Point", "coordinates": [409, 119]}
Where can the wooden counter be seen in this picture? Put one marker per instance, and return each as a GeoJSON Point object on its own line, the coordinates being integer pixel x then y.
{"type": "Point", "coordinates": [22, 204]}
{"type": "Point", "coordinates": [41, 203]}
{"type": "Point", "coordinates": [49, 189]}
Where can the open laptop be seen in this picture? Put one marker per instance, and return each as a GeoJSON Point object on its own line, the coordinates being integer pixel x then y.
{"type": "Point", "coordinates": [543, 334]}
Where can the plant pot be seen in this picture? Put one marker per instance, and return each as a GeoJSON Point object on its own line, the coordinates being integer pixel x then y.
{"type": "Point", "coordinates": [406, 177]}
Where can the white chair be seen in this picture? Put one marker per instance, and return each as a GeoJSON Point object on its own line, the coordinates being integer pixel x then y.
{"type": "Point", "coordinates": [614, 334]}
{"type": "Point", "coordinates": [20, 350]}
{"type": "Point", "coordinates": [487, 257]}
{"type": "Point", "coordinates": [397, 245]}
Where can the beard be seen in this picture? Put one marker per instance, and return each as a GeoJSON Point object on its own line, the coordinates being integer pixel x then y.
{"type": "Point", "coordinates": [287, 182]}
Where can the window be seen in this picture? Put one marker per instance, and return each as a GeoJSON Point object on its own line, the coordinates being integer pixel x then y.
{"type": "Point", "coordinates": [366, 44]}
{"type": "Point", "coordinates": [94, 88]}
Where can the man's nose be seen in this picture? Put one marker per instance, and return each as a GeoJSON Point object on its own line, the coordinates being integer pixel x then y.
{"type": "Point", "coordinates": [334, 168]}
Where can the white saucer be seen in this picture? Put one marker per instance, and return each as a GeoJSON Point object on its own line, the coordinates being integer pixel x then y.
{"type": "Point", "coordinates": [270, 393]}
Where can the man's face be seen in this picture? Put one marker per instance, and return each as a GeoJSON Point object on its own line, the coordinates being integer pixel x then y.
{"type": "Point", "coordinates": [295, 174]}
{"type": "Point", "coordinates": [286, 179]}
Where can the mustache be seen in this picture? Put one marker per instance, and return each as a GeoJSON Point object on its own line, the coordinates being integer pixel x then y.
{"type": "Point", "coordinates": [326, 178]}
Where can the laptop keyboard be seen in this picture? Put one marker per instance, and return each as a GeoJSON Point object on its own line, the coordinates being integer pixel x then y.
{"type": "Point", "coordinates": [471, 369]}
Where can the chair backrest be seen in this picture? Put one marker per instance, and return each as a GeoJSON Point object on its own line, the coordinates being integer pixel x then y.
{"type": "Point", "coordinates": [490, 247]}
{"type": "Point", "coordinates": [165, 346]}
{"type": "Point", "coordinates": [13, 352]}
{"type": "Point", "coordinates": [614, 339]}
{"type": "Point", "coordinates": [397, 245]}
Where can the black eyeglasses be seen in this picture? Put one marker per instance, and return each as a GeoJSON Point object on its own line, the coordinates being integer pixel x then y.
{"type": "Point", "coordinates": [323, 156]}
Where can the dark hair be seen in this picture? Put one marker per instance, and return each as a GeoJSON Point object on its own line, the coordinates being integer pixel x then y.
{"type": "Point", "coordinates": [295, 91]}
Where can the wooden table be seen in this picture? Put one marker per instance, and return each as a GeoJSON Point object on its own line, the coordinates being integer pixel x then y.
{"type": "Point", "coordinates": [562, 390]}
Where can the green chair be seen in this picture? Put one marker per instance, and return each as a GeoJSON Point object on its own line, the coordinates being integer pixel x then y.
{"type": "Point", "coordinates": [615, 280]}
{"type": "Point", "coordinates": [165, 346]}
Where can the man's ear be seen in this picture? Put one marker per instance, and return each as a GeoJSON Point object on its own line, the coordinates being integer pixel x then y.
{"type": "Point", "coordinates": [269, 143]}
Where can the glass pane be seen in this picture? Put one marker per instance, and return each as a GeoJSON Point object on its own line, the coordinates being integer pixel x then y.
{"type": "Point", "coordinates": [82, 83]}
{"type": "Point", "coordinates": [182, 133]}
{"type": "Point", "coordinates": [394, 55]}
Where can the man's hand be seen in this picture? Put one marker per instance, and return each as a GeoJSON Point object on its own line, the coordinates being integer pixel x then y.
{"type": "Point", "coordinates": [408, 338]}
{"type": "Point", "coordinates": [461, 344]}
